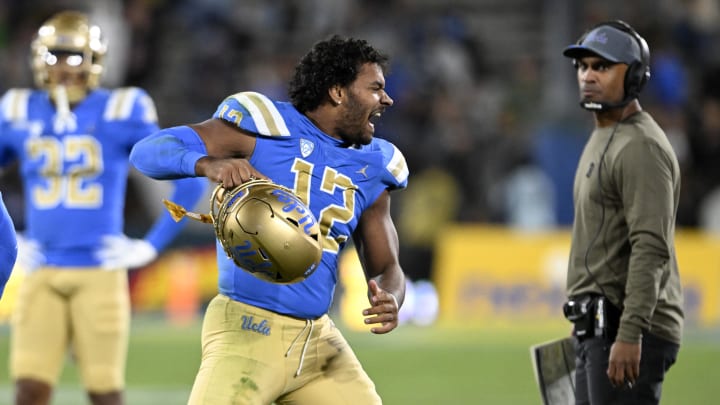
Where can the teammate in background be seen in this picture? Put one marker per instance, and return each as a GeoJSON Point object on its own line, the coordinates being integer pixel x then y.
{"type": "Point", "coordinates": [73, 140]}
{"type": "Point", "coordinates": [8, 246]}
{"type": "Point", "coordinates": [625, 298]}
{"type": "Point", "coordinates": [265, 342]}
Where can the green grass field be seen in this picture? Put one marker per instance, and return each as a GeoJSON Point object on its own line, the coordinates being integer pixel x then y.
{"type": "Point", "coordinates": [437, 365]}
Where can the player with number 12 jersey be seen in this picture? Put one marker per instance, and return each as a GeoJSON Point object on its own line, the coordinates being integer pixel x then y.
{"type": "Point", "coordinates": [337, 182]}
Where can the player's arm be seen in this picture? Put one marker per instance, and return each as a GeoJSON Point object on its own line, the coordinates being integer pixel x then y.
{"type": "Point", "coordinates": [377, 244]}
{"type": "Point", "coordinates": [229, 149]}
{"type": "Point", "coordinates": [212, 149]}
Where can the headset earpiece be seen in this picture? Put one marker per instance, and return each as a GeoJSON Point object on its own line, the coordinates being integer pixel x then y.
{"type": "Point", "coordinates": [638, 73]}
{"type": "Point", "coordinates": [634, 80]}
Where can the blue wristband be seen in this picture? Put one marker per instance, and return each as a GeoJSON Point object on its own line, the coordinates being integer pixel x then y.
{"type": "Point", "coordinates": [188, 161]}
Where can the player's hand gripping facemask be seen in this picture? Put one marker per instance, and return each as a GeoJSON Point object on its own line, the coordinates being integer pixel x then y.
{"type": "Point", "coordinates": [264, 228]}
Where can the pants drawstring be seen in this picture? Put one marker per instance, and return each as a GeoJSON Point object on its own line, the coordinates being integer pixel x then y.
{"type": "Point", "coordinates": [308, 323]}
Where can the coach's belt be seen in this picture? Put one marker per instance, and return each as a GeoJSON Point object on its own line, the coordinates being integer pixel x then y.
{"type": "Point", "coordinates": [308, 324]}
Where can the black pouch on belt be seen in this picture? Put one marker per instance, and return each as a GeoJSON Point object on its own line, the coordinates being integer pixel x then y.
{"type": "Point", "coordinates": [581, 312]}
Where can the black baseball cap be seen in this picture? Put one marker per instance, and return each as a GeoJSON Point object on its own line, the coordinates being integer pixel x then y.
{"type": "Point", "coordinates": [609, 43]}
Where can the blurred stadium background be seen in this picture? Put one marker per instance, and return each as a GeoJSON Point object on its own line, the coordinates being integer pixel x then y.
{"type": "Point", "coordinates": [486, 115]}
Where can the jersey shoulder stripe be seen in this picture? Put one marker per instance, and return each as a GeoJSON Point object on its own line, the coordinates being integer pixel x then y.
{"type": "Point", "coordinates": [122, 101]}
{"type": "Point", "coordinates": [264, 114]}
{"type": "Point", "coordinates": [397, 165]}
{"type": "Point", "coordinates": [14, 104]}
{"type": "Point", "coordinates": [395, 168]}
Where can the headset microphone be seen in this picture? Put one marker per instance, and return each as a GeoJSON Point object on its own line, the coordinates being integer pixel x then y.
{"type": "Point", "coordinates": [604, 106]}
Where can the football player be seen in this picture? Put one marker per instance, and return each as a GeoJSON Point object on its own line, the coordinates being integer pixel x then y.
{"type": "Point", "coordinates": [265, 341]}
{"type": "Point", "coordinates": [72, 139]}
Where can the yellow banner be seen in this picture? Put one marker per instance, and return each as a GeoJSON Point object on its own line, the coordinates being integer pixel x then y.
{"type": "Point", "coordinates": [497, 275]}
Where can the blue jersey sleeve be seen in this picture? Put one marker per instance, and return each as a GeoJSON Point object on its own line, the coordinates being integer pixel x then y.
{"type": "Point", "coordinates": [14, 105]}
{"type": "Point", "coordinates": [396, 172]}
{"type": "Point", "coordinates": [253, 112]}
{"type": "Point", "coordinates": [135, 108]}
{"type": "Point", "coordinates": [171, 154]}
{"type": "Point", "coordinates": [8, 246]}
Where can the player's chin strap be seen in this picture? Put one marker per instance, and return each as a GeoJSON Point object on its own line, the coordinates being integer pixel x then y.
{"type": "Point", "coordinates": [65, 120]}
{"type": "Point", "coordinates": [308, 323]}
{"type": "Point", "coordinates": [177, 212]}
{"type": "Point", "coordinates": [221, 201]}
{"type": "Point", "coordinates": [220, 198]}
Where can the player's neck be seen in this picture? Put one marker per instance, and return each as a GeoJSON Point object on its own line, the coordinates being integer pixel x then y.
{"type": "Point", "coordinates": [324, 119]}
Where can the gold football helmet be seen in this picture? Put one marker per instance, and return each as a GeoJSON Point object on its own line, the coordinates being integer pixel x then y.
{"type": "Point", "coordinates": [265, 229]}
{"type": "Point", "coordinates": [69, 32]}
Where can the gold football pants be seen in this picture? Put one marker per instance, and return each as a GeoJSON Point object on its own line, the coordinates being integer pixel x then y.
{"type": "Point", "coordinates": [84, 310]}
{"type": "Point", "coordinates": [253, 356]}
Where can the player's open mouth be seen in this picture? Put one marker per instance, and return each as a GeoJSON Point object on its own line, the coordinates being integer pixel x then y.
{"type": "Point", "coordinates": [374, 117]}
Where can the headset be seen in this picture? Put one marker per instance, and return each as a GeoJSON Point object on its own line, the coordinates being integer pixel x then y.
{"type": "Point", "coordinates": [638, 72]}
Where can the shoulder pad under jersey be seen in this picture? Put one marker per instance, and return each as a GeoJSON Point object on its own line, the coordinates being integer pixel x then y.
{"type": "Point", "coordinates": [253, 112]}
{"type": "Point", "coordinates": [14, 105]}
{"type": "Point", "coordinates": [130, 103]}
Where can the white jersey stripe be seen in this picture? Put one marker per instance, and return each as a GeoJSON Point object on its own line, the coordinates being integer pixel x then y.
{"type": "Point", "coordinates": [398, 166]}
{"type": "Point", "coordinates": [120, 104]}
{"type": "Point", "coordinates": [267, 118]}
{"type": "Point", "coordinates": [278, 120]}
{"type": "Point", "coordinates": [150, 115]}
{"type": "Point", "coordinates": [15, 104]}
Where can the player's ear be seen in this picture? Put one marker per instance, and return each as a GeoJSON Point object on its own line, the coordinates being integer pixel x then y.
{"type": "Point", "coordinates": [336, 93]}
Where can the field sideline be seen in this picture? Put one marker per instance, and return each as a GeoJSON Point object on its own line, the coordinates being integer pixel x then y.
{"type": "Point", "coordinates": [419, 366]}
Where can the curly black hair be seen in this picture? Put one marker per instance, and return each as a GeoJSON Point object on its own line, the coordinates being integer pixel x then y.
{"type": "Point", "coordinates": [334, 61]}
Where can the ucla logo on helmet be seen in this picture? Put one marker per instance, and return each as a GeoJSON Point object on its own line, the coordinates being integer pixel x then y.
{"type": "Point", "coordinates": [240, 195]}
{"type": "Point", "coordinates": [293, 203]}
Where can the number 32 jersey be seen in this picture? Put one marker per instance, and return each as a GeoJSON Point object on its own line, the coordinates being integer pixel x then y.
{"type": "Point", "coordinates": [336, 181]}
{"type": "Point", "coordinates": [74, 171]}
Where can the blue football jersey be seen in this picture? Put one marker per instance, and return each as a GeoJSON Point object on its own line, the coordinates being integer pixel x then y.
{"type": "Point", "coordinates": [8, 246]}
{"type": "Point", "coordinates": [338, 183]}
{"type": "Point", "coordinates": [74, 171]}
